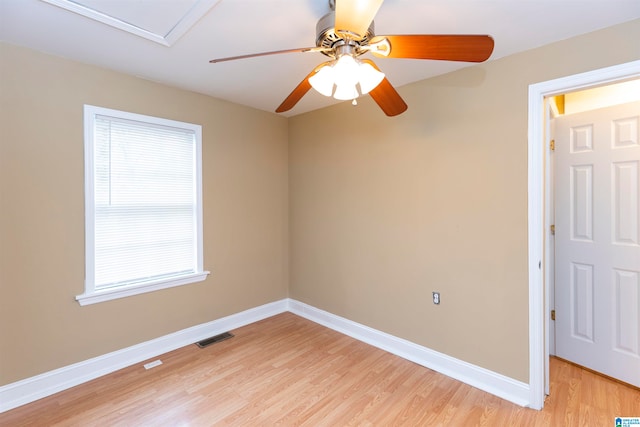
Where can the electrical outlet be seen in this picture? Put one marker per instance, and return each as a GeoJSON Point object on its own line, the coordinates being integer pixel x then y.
{"type": "Point", "coordinates": [436, 297]}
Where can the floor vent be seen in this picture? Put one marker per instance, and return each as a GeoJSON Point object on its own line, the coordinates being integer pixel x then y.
{"type": "Point", "coordinates": [213, 340]}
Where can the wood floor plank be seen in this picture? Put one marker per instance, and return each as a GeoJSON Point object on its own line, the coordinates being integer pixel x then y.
{"type": "Point", "coordinates": [288, 371]}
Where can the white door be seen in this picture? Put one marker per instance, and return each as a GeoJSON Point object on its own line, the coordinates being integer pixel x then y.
{"type": "Point", "coordinates": [597, 237]}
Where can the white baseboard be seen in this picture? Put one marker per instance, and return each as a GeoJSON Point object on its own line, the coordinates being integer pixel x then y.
{"type": "Point", "coordinates": [34, 388]}
{"type": "Point", "coordinates": [483, 379]}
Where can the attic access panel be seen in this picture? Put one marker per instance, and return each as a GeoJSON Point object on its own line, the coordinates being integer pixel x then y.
{"type": "Point", "coordinates": [161, 21]}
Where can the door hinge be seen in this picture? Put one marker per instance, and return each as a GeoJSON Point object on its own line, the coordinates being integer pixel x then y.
{"type": "Point", "coordinates": [553, 230]}
{"type": "Point", "coordinates": [553, 315]}
{"type": "Point", "coordinates": [552, 145]}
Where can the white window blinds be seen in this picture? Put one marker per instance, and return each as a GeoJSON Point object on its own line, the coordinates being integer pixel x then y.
{"type": "Point", "coordinates": [143, 224]}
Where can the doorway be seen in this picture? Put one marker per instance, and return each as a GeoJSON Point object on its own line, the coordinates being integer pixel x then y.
{"type": "Point", "coordinates": [540, 215]}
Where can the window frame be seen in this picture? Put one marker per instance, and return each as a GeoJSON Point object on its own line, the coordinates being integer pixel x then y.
{"type": "Point", "coordinates": [92, 294]}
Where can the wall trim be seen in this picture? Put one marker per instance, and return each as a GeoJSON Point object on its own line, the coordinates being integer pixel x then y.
{"type": "Point", "coordinates": [43, 385]}
{"type": "Point", "coordinates": [31, 389]}
{"type": "Point", "coordinates": [475, 376]}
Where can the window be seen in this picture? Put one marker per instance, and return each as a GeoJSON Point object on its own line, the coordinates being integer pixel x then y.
{"type": "Point", "coordinates": [143, 204]}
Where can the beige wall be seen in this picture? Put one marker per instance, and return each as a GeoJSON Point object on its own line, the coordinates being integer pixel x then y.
{"type": "Point", "coordinates": [386, 210]}
{"type": "Point", "coordinates": [245, 190]}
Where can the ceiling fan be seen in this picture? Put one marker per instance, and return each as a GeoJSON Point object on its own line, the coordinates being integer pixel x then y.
{"type": "Point", "coordinates": [347, 32]}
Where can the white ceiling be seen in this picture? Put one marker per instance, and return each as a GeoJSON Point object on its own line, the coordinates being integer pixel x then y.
{"type": "Point", "coordinates": [172, 41]}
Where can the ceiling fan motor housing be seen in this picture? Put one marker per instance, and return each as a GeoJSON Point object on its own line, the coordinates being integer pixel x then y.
{"type": "Point", "coordinates": [327, 37]}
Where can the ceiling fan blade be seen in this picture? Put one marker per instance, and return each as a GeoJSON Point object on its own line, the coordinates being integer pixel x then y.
{"type": "Point", "coordinates": [387, 98]}
{"type": "Point", "coordinates": [275, 52]}
{"type": "Point", "coordinates": [354, 16]}
{"type": "Point", "coordinates": [300, 91]}
{"type": "Point", "coordinates": [468, 48]}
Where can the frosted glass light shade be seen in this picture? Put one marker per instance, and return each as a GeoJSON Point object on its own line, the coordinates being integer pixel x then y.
{"type": "Point", "coordinates": [345, 92]}
{"type": "Point", "coordinates": [369, 78]}
{"type": "Point", "coordinates": [347, 71]}
{"type": "Point", "coordinates": [323, 80]}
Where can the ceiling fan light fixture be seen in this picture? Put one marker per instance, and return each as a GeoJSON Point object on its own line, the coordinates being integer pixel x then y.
{"type": "Point", "coordinates": [345, 75]}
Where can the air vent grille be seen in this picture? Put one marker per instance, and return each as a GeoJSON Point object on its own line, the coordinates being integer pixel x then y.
{"type": "Point", "coordinates": [206, 342]}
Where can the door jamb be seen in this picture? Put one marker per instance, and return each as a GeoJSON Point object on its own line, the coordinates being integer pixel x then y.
{"type": "Point", "coordinates": [538, 221]}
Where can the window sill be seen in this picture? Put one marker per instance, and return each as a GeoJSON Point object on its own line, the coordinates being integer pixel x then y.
{"type": "Point", "coordinates": [127, 291]}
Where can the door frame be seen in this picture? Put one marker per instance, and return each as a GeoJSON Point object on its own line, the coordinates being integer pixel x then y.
{"type": "Point", "coordinates": [539, 191]}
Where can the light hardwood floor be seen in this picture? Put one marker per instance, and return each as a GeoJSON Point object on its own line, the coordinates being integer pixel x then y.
{"type": "Point", "coordinates": [288, 371]}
